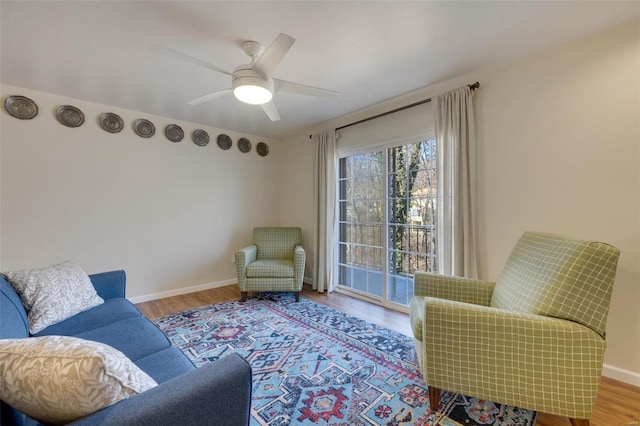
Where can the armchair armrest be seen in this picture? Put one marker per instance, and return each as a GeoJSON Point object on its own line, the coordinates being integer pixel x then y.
{"type": "Point", "coordinates": [109, 285]}
{"type": "Point", "coordinates": [299, 257]}
{"type": "Point", "coordinates": [246, 255]}
{"type": "Point", "coordinates": [217, 393]}
{"type": "Point", "coordinates": [512, 358]}
{"type": "Point", "coordinates": [243, 258]}
{"type": "Point", "coordinates": [453, 288]}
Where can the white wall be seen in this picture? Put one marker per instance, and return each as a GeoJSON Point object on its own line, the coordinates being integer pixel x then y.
{"type": "Point", "coordinates": [170, 214]}
{"type": "Point", "coordinates": [558, 150]}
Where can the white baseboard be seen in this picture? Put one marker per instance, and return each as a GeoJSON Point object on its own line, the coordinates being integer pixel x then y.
{"type": "Point", "coordinates": [179, 291]}
{"type": "Point", "coordinates": [621, 374]}
{"type": "Point", "coordinates": [193, 289]}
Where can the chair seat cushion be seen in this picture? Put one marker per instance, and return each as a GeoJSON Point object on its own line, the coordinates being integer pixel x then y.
{"type": "Point", "coordinates": [270, 268]}
{"type": "Point", "coordinates": [416, 316]}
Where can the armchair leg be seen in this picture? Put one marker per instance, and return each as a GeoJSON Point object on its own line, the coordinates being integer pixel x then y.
{"type": "Point", "coordinates": [579, 422]}
{"type": "Point", "coordinates": [243, 296]}
{"type": "Point", "coordinates": [434, 398]}
{"type": "Point", "coordinates": [297, 294]}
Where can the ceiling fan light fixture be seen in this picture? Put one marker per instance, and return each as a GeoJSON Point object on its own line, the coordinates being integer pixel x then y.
{"type": "Point", "coordinates": [254, 95]}
{"type": "Point", "coordinates": [254, 83]}
{"type": "Point", "coordinates": [252, 90]}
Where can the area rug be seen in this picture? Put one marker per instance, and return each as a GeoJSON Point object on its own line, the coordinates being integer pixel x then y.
{"type": "Point", "coordinates": [313, 365]}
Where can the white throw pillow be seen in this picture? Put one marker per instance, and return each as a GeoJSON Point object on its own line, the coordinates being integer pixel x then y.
{"type": "Point", "coordinates": [59, 379]}
{"type": "Point", "coordinates": [54, 293]}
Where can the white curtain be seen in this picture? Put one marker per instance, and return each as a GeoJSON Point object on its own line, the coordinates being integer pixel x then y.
{"type": "Point", "coordinates": [454, 125]}
{"type": "Point", "coordinates": [325, 202]}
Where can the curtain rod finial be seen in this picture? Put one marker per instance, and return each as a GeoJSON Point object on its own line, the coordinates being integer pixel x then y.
{"type": "Point", "coordinates": [474, 86]}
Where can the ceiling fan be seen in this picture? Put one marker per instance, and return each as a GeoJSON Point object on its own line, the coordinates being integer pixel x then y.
{"type": "Point", "coordinates": [254, 83]}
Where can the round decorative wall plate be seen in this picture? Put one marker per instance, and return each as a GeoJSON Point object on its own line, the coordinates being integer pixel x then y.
{"type": "Point", "coordinates": [111, 122]}
{"type": "Point", "coordinates": [262, 149]}
{"type": "Point", "coordinates": [224, 141]}
{"type": "Point", "coordinates": [244, 145]}
{"type": "Point", "coordinates": [174, 133]}
{"type": "Point", "coordinates": [200, 137]}
{"type": "Point", "coordinates": [69, 116]}
{"type": "Point", "coordinates": [21, 107]}
{"type": "Point", "coordinates": [144, 128]}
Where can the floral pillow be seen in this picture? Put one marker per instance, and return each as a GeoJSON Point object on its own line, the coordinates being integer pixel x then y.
{"type": "Point", "coordinates": [54, 293]}
{"type": "Point", "coordinates": [59, 379]}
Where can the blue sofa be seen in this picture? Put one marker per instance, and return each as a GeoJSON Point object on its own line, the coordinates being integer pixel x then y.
{"type": "Point", "coordinates": [217, 393]}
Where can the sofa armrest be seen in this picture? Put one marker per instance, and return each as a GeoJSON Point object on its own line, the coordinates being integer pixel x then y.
{"type": "Point", "coordinates": [454, 288]}
{"type": "Point", "coordinates": [217, 393]}
{"type": "Point", "coordinates": [109, 285]}
{"type": "Point", "coordinates": [244, 257]}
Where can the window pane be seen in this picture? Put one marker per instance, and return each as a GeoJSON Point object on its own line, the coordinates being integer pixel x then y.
{"type": "Point", "coordinates": [384, 241]}
{"type": "Point", "coordinates": [376, 187]}
{"type": "Point", "coordinates": [359, 279]}
{"type": "Point", "coordinates": [361, 188]}
{"type": "Point", "coordinates": [342, 189]}
{"type": "Point", "coordinates": [376, 211]}
{"type": "Point", "coordinates": [398, 210]}
{"type": "Point", "coordinates": [344, 277]}
{"type": "Point", "coordinates": [374, 282]}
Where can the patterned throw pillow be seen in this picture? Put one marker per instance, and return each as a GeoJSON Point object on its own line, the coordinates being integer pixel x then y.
{"type": "Point", "coordinates": [59, 379]}
{"type": "Point", "coordinates": [54, 293]}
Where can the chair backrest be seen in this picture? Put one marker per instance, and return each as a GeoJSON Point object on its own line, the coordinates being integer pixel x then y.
{"type": "Point", "coordinates": [560, 277]}
{"type": "Point", "coordinates": [276, 242]}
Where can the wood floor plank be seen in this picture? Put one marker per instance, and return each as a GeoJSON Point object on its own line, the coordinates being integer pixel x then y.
{"type": "Point", "coordinates": [618, 403]}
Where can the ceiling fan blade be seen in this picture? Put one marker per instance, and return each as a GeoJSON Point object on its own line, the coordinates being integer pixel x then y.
{"type": "Point", "coordinates": [302, 89]}
{"type": "Point", "coordinates": [206, 98]}
{"type": "Point", "coordinates": [271, 58]}
{"type": "Point", "coordinates": [270, 109]}
{"type": "Point", "coordinates": [184, 57]}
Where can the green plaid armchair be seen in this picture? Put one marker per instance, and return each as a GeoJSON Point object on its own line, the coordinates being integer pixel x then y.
{"type": "Point", "coordinates": [534, 339]}
{"type": "Point", "coordinates": [275, 261]}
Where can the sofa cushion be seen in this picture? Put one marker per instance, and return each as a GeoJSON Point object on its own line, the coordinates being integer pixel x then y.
{"type": "Point", "coordinates": [134, 337]}
{"type": "Point", "coordinates": [270, 268]}
{"type": "Point", "coordinates": [58, 379]}
{"type": "Point", "coordinates": [112, 310]}
{"type": "Point", "coordinates": [165, 364]}
{"type": "Point", "coordinates": [53, 293]}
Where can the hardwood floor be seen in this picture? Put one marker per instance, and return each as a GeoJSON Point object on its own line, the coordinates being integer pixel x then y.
{"type": "Point", "coordinates": [618, 403]}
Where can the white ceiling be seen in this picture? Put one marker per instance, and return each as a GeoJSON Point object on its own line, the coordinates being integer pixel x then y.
{"type": "Point", "coordinates": [99, 51]}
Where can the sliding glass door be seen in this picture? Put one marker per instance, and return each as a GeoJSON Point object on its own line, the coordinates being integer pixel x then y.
{"type": "Point", "coordinates": [387, 220]}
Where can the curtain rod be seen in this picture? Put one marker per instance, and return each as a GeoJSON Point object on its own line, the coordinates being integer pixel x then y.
{"type": "Point", "coordinates": [473, 86]}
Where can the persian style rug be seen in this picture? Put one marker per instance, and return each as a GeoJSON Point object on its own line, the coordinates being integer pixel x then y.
{"type": "Point", "coordinates": [313, 365]}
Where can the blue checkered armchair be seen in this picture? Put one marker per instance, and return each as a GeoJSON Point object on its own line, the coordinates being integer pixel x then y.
{"type": "Point", "coordinates": [274, 262]}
